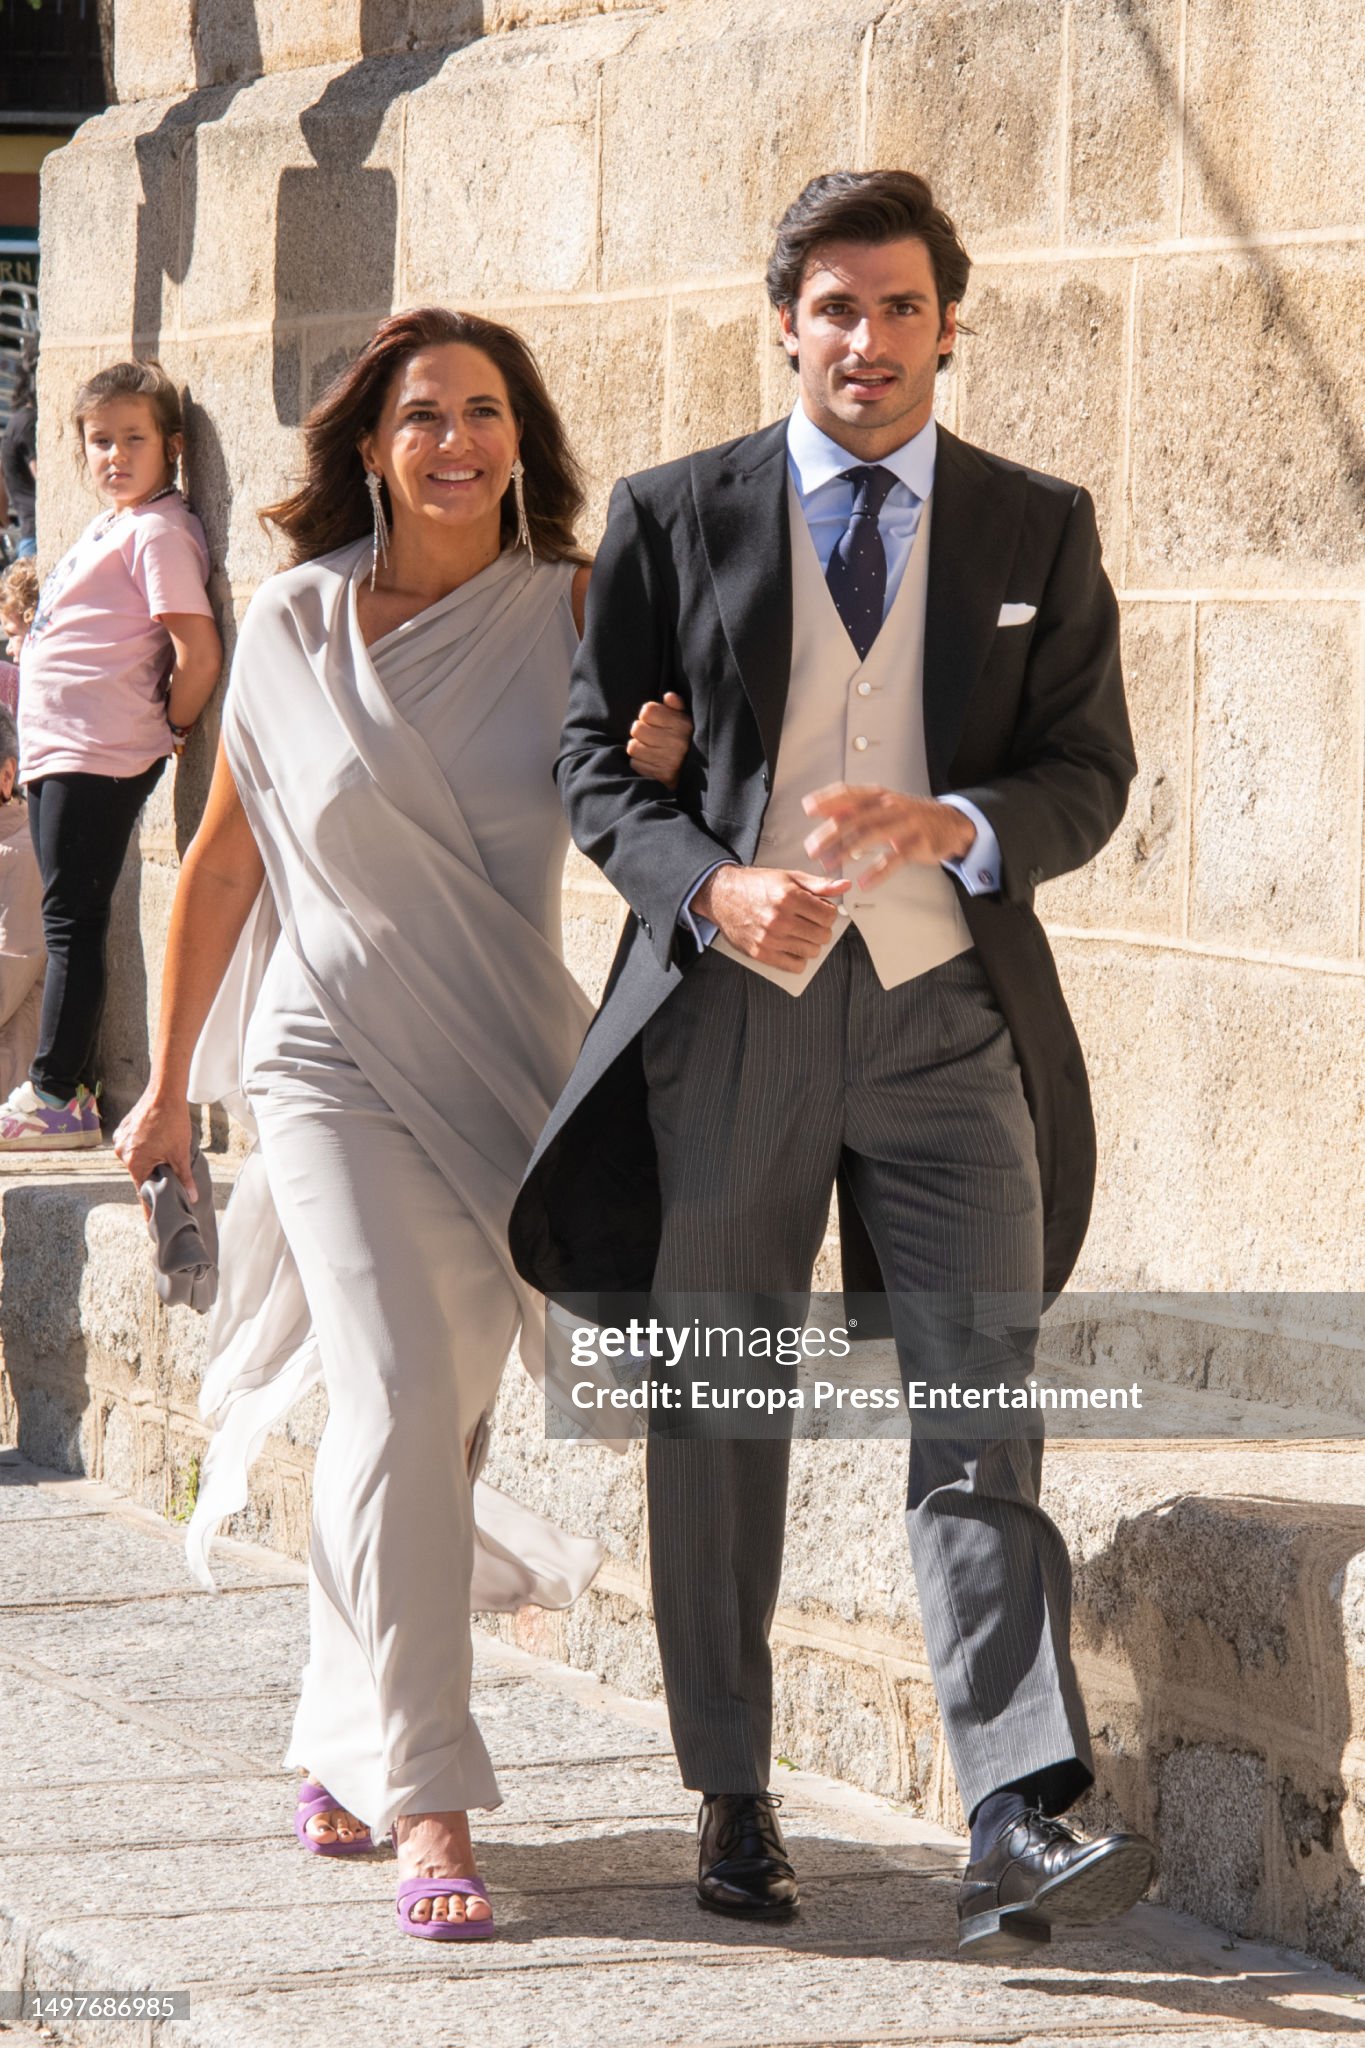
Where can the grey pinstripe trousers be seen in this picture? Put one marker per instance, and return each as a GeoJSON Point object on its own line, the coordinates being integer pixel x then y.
{"type": "Point", "coordinates": [754, 1098]}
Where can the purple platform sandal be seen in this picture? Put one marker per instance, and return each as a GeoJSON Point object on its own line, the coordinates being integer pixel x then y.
{"type": "Point", "coordinates": [312, 1801]}
{"type": "Point", "coordinates": [414, 1888]}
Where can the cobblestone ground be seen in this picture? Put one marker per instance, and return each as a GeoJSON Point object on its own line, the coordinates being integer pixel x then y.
{"type": "Point", "coordinates": [145, 1844]}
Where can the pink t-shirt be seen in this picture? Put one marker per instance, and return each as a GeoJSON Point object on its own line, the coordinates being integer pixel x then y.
{"type": "Point", "coordinates": [94, 668]}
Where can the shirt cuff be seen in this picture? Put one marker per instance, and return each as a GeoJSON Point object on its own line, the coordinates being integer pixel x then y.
{"type": "Point", "coordinates": [701, 928]}
{"type": "Point", "coordinates": [979, 868]}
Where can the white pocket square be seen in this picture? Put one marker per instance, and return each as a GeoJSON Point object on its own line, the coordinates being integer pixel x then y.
{"type": "Point", "coordinates": [1016, 614]}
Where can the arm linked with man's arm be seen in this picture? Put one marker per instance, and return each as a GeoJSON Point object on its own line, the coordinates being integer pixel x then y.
{"type": "Point", "coordinates": [1072, 757]}
{"type": "Point", "coordinates": [648, 846]}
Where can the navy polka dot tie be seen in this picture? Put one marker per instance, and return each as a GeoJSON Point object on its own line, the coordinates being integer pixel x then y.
{"type": "Point", "coordinates": [857, 569]}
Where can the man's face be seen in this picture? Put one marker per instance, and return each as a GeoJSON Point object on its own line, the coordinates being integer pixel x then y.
{"type": "Point", "coordinates": [867, 334]}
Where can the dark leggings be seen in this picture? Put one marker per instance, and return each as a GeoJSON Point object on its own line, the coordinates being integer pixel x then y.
{"type": "Point", "coordinates": [81, 825]}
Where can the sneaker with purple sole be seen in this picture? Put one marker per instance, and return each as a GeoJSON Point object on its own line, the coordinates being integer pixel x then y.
{"type": "Point", "coordinates": [29, 1122]}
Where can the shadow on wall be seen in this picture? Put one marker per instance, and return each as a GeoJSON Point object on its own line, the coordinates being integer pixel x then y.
{"type": "Point", "coordinates": [124, 1058]}
{"type": "Point", "coordinates": [335, 240]}
{"type": "Point", "coordinates": [47, 1406]}
{"type": "Point", "coordinates": [336, 221]}
{"type": "Point", "coordinates": [1281, 310]}
{"type": "Point", "coordinates": [167, 220]}
{"type": "Point", "coordinates": [1234, 1763]}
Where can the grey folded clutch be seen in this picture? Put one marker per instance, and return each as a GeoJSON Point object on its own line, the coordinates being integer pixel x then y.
{"type": "Point", "coordinates": [184, 1236]}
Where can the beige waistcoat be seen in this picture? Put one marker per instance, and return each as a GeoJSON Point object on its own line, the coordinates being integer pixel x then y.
{"type": "Point", "coordinates": [852, 721]}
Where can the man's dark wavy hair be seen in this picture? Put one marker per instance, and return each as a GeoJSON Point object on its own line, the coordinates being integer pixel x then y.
{"type": "Point", "coordinates": [871, 207]}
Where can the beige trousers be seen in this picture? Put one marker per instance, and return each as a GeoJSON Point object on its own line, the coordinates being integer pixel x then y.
{"type": "Point", "coordinates": [414, 1319]}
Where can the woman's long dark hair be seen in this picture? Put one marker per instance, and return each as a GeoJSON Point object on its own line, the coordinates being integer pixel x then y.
{"type": "Point", "coordinates": [332, 505]}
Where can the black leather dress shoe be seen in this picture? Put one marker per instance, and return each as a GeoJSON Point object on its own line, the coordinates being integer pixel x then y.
{"type": "Point", "coordinates": [1039, 1873]}
{"type": "Point", "coordinates": [742, 1864]}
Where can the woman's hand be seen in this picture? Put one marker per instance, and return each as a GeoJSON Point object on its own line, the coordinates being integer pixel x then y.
{"type": "Point", "coordinates": [659, 739]}
{"type": "Point", "coordinates": [156, 1132]}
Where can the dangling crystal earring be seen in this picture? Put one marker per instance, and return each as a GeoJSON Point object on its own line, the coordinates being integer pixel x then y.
{"type": "Point", "coordinates": [381, 525]}
{"type": "Point", "coordinates": [519, 492]}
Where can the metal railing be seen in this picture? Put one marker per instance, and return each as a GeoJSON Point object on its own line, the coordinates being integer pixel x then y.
{"type": "Point", "coordinates": [18, 319]}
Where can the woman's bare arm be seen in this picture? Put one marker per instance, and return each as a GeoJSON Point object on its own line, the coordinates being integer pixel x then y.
{"type": "Point", "coordinates": [219, 881]}
{"type": "Point", "coordinates": [578, 594]}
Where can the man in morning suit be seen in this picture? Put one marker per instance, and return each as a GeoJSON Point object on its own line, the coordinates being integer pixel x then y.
{"type": "Point", "coordinates": [901, 657]}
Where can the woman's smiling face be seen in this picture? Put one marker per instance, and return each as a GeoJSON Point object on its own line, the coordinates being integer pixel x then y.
{"type": "Point", "coordinates": [446, 438]}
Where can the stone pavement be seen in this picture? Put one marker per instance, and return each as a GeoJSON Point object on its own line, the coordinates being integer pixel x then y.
{"type": "Point", "coordinates": [144, 1843]}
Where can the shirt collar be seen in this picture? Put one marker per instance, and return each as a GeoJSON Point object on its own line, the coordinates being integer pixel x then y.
{"type": "Point", "coordinates": [816, 460]}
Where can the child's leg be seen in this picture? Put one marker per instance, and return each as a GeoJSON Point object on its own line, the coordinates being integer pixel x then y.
{"type": "Point", "coordinates": [81, 826]}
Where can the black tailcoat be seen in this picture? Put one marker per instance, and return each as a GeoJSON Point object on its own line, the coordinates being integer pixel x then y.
{"type": "Point", "coordinates": [692, 592]}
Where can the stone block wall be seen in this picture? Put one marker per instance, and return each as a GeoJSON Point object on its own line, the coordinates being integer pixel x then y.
{"type": "Point", "coordinates": [1166, 204]}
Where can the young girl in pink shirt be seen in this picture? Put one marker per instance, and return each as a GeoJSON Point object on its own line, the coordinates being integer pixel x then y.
{"type": "Point", "coordinates": [119, 662]}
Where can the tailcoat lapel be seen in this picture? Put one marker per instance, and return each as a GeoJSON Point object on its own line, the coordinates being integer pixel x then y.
{"type": "Point", "coordinates": [740, 494]}
{"type": "Point", "coordinates": [978, 513]}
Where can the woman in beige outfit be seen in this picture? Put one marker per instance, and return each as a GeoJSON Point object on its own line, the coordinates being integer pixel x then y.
{"type": "Point", "coordinates": [366, 945]}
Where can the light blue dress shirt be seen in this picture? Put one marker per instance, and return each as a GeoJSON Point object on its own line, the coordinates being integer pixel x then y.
{"type": "Point", "coordinates": [816, 465]}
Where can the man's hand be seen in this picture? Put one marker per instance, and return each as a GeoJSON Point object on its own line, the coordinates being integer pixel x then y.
{"type": "Point", "coordinates": [862, 819]}
{"type": "Point", "coordinates": [775, 915]}
{"type": "Point", "coordinates": [659, 739]}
